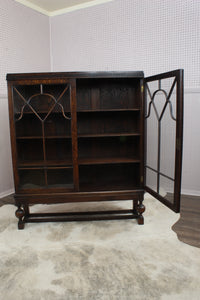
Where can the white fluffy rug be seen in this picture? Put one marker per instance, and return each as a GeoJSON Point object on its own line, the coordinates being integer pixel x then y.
{"type": "Point", "coordinates": [97, 260]}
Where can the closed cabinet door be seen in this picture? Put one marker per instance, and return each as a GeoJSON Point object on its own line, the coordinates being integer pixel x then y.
{"type": "Point", "coordinates": [43, 135]}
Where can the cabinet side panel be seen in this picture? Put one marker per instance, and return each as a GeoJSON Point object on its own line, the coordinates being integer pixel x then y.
{"type": "Point", "coordinates": [12, 136]}
{"type": "Point", "coordinates": [141, 100]}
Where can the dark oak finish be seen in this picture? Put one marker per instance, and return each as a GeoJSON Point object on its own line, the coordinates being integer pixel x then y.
{"type": "Point", "coordinates": [77, 137]}
{"type": "Point", "coordinates": [55, 75]}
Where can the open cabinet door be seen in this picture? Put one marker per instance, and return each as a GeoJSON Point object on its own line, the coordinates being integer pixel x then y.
{"type": "Point", "coordinates": [163, 137]}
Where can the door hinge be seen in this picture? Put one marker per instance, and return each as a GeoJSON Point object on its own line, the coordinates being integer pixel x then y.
{"type": "Point", "coordinates": [142, 88]}
{"type": "Point", "coordinates": [178, 144]}
{"type": "Point", "coordinates": [141, 179]}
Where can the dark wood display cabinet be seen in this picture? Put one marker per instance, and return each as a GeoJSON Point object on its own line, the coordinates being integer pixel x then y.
{"type": "Point", "coordinates": [95, 136]}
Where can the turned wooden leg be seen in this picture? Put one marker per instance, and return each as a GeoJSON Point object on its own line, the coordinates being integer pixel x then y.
{"type": "Point", "coordinates": [20, 213]}
{"type": "Point", "coordinates": [135, 204]}
{"type": "Point", "coordinates": [26, 210]}
{"type": "Point", "coordinates": [140, 220]}
{"type": "Point", "coordinates": [140, 210]}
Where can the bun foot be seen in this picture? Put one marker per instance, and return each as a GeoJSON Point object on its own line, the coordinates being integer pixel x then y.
{"type": "Point", "coordinates": [140, 220]}
{"type": "Point", "coordinates": [140, 210]}
{"type": "Point", "coordinates": [20, 213]}
{"type": "Point", "coordinates": [21, 225]}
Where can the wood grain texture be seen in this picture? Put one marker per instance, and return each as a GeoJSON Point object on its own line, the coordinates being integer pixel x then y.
{"type": "Point", "coordinates": [136, 74]}
{"type": "Point", "coordinates": [188, 226]}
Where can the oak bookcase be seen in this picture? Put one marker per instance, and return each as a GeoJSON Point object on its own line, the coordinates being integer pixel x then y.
{"type": "Point", "coordinates": [81, 137]}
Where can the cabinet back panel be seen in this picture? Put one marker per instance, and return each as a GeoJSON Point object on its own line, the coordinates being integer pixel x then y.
{"type": "Point", "coordinates": [107, 93]}
{"type": "Point", "coordinates": [59, 149]}
{"type": "Point", "coordinates": [30, 151]}
{"type": "Point", "coordinates": [109, 177]}
{"type": "Point", "coordinates": [55, 178]}
{"type": "Point", "coordinates": [31, 179]}
{"type": "Point", "coordinates": [57, 125]}
{"type": "Point", "coordinates": [122, 146]}
{"type": "Point", "coordinates": [28, 125]}
{"type": "Point", "coordinates": [108, 122]}
{"type": "Point", "coordinates": [56, 90]}
{"type": "Point", "coordinates": [60, 178]}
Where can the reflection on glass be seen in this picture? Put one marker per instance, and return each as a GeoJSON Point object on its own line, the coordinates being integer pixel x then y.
{"type": "Point", "coordinates": [167, 144]}
{"type": "Point", "coordinates": [166, 188]}
{"type": "Point", "coordinates": [152, 140]}
{"type": "Point", "coordinates": [151, 179]}
{"type": "Point", "coordinates": [160, 118]}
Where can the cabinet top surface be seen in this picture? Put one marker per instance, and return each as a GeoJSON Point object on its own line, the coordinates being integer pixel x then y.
{"type": "Point", "coordinates": [54, 75]}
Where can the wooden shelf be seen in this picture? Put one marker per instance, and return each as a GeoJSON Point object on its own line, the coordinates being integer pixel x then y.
{"type": "Point", "coordinates": [104, 186]}
{"type": "Point", "coordinates": [46, 137]}
{"type": "Point", "coordinates": [41, 112]}
{"type": "Point", "coordinates": [58, 137]}
{"type": "Point", "coordinates": [46, 168]}
{"type": "Point", "coordinates": [81, 161]}
{"type": "Point", "coordinates": [47, 187]}
{"type": "Point", "coordinates": [108, 110]}
{"type": "Point", "coordinates": [81, 111]}
{"type": "Point", "coordinates": [29, 137]}
{"type": "Point", "coordinates": [42, 164]}
{"type": "Point", "coordinates": [86, 135]}
{"type": "Point", "coordinates": [107, 160]}
{"type": "Point", "coordinates": [82, 135]}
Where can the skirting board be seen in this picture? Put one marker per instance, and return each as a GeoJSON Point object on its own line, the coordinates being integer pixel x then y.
{"type": "Point", "coordinates": [190, 192]}
{"type": "Point", "coordinates": [7, 193]}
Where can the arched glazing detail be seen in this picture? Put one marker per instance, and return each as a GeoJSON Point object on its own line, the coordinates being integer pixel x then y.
{"type": "Point", "coordinates": [55, 103]}
{"type": "Point", "coordinates": [43, 135]}
{"type": "Point", "coordinates": [168, 101]}
{"type": "Point", "coordinates": [160, 104]}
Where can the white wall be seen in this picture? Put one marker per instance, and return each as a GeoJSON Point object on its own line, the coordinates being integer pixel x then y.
{"type": "Point", "coordinates": [150, 35]}
{"type": "Point", "coordinates": [191, 143]}
{"type": "Point", "coordinates": [24, 47]}
{"type": "Point", "coordinates": [155, 36]}
{"type": "Point", "coordinates": [6, 178]}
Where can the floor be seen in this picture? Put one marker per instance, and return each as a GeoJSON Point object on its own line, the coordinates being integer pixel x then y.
{"type": "Point", "coordinates": [7, 200]}
{"type": "Point", "coordinates": [187, 227]}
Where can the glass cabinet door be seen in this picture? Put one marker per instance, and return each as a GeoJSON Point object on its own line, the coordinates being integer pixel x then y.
{"type": "Point", "coordinates": [42, 116]}
{"type": "Point", "coordinates": [164, 130]}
